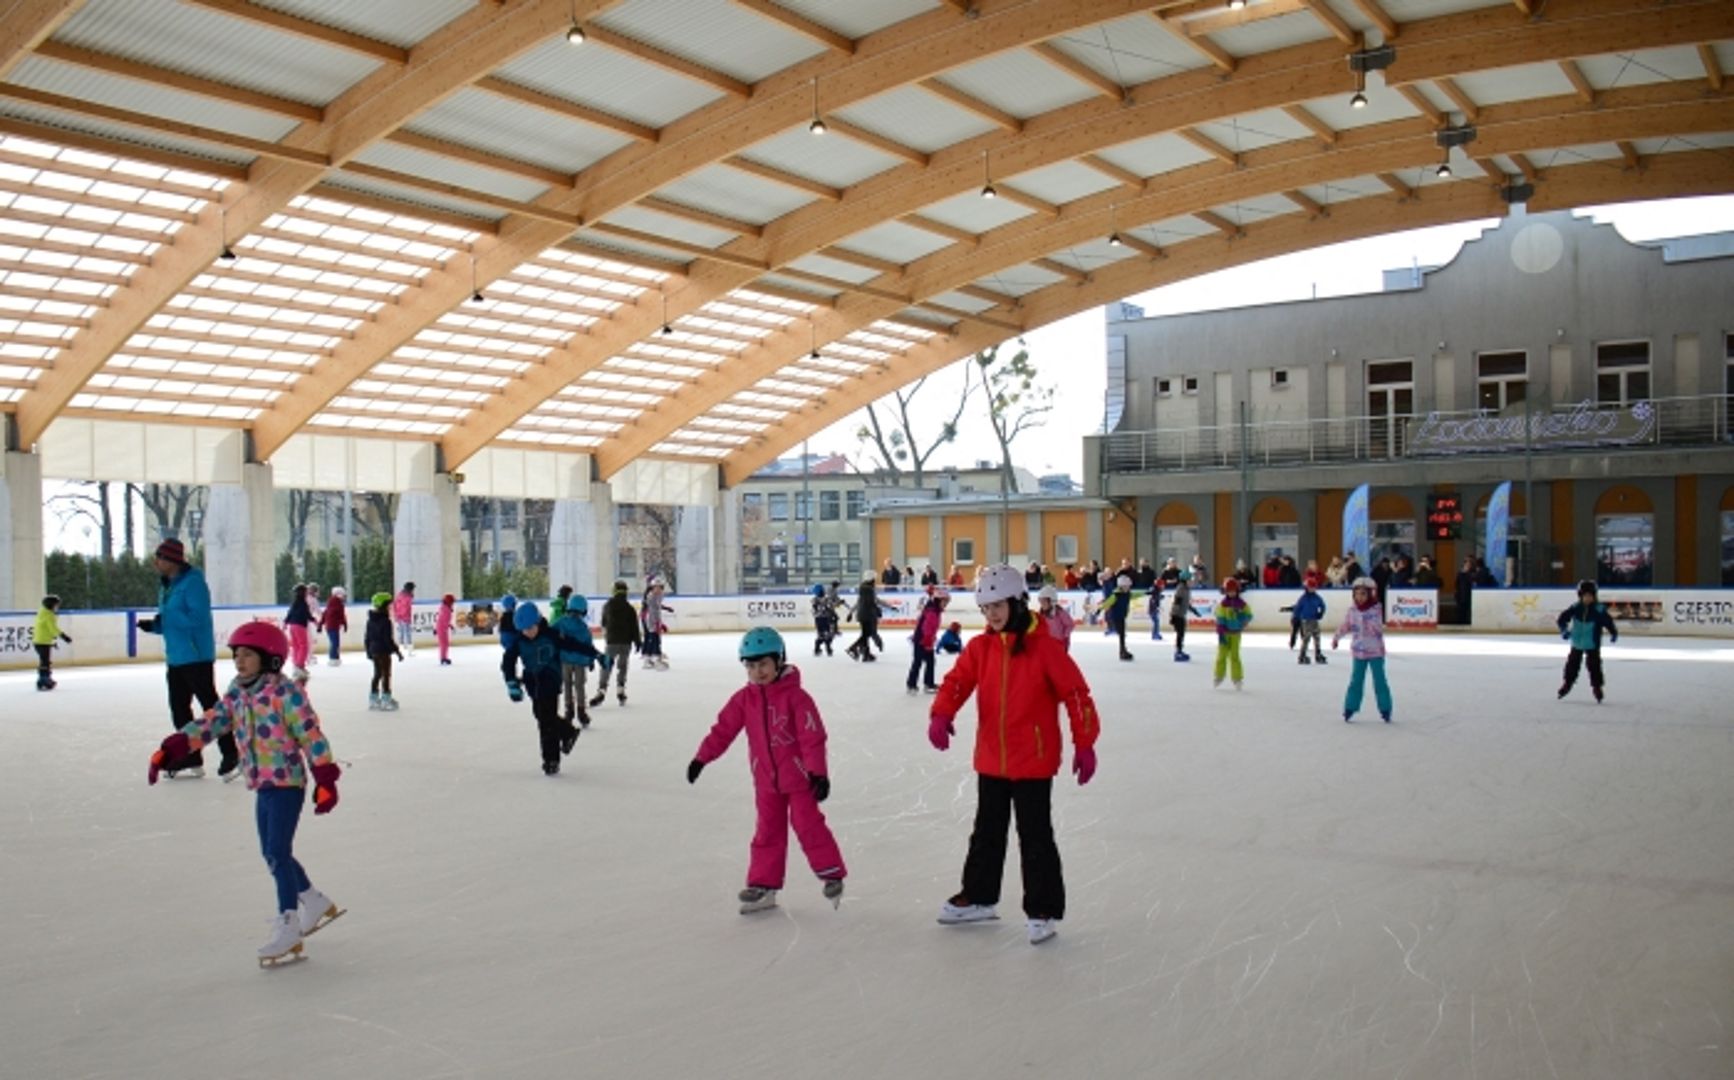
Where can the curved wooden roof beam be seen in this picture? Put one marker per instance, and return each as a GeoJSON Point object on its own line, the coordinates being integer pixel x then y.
{"type": "Point", "coordinates": [1681, 175]}
{"type": "Point", "coordinates": [26, 24]}
{"type": "Point", "coordinates": [1271, 80]}
{"type": "Point", "coordinates": [459, 53]}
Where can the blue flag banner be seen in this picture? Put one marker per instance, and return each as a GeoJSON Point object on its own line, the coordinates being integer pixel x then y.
{"type": "Point", "coordinates": [1355, 536]}
{"type": "Point", "coordinates": [1498, 530]}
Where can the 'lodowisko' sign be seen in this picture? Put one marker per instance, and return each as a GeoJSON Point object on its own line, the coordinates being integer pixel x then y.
{"type": "Point", "coordinates": [1584, 425]}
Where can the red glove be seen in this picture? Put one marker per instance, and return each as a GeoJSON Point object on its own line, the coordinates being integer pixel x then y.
{"type": "Point", "coordinates": [173, 749]}
{"type": "Point", "coordinates": [1084, 764]}
{"type": "Point", "coordinates": [940, 731]}
{"type": "Point", "coordinates": [325, 788]}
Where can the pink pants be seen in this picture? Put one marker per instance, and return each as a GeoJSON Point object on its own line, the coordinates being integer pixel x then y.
{"type": "Point", "coordinates": [299, 645]}
{"type": "Point", "coordinates": [443, 635]}
{"type": "Point", "coordinates": [778, 812]}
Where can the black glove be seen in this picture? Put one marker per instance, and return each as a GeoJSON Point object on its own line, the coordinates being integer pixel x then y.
{"type": "Point", "coordinates": [821, 786]}
{"type": "Point", "coordinates": [149, 626]}
{"type": "Point", "coordinates": [693, 768]}
{"type": "Point", "coordinates": [66, 638]}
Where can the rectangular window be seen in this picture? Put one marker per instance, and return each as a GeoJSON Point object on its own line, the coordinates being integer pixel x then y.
{"type": "Point", "coordinates": [1177, 542]}
{"type": "Point", "coordinates": [1189, 384]}
{"type": "Point", "coordinates": [1625, 548]}
{"type": "Point", "coordinates": [963, 551]}
{"type": "Point", "coordinates": [830, 558]}
{"type": "Point", "coordinates": [753, 507]}
{"type": "Point", "coordinates": [1164, 387]}
{"type": "Point", "coordinates": [626, 563]}
{"type": "Point", "coordinates": [803, 506]}
{"type": "Point", "coordinates": [830, 506]}
{"type": "Point", "coordinates": [1065, 549]}
{"type": "Point", "coordinates": [801, 553]}
{"type": "Point", "coordinates": [1501, 380]}
{"type": "Point", "coordinates": [1622, 372]}
{"type": "Point", "coordinates": [1279, 378]}
{"type": "Point", "coordinates": [779, 507]}
{"type": "Point", "coordinates": [855, 504]}
{"type": "Point", "coordinates": [852, 560]}
{"type": "Point", "coordinates": [752, 560]}
{"type": "Point", "coordinates": [1391, 539]}
{"type": "Point", "coordinates": [1728, 547]}
{"type": "Point", "coordinates": [1275, 538]}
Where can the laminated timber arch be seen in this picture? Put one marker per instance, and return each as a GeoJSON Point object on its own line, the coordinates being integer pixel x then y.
{"type": "Point", "coordinates": [1479, 40]}
{"type": "Point", "coordinates": [1673, 176]}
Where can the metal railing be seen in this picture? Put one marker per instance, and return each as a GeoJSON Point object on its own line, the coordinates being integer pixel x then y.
{"type": "Point", "coordinates": [1680, 421]}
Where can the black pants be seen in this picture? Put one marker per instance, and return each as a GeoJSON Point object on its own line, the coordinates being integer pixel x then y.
{"type": "Point", "coordinates": [44, 663]}
{"type": "Point", "coordinates": [509, 662]}
{"type": "Point", "coordinates": [827, 632]}
{"type": "Point", "coordinates": [381, 673]}
{"type": "Point", "coordinates": [1591, 658]}
{"type": "Point", "coordinates": [187, 682]}
{"type": "Point", "coordinates": [550, 725]}
{"type": "Point", "coordinates": [1179, 626]}
{"type": "Point", "coordinates": [869, 632]}
{"type": "Point", "coordinates": [1044, 888]}
{"type": "Point", "coordinates": [1119, 628]}
{"type": "Point", "coordinates": [921, 664]}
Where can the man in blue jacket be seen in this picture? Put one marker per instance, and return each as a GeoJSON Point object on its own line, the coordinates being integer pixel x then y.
{"type": "Point", "coordinates": [183, 618]}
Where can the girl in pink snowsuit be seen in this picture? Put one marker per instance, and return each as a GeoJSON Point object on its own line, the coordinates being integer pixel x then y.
{"type": "Point", "coordinates": [443, 627]}
{"type": "Point", "coordinates": [786, 752]}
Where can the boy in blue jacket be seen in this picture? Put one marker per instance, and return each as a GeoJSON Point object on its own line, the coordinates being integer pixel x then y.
{"type": "Point", "coordinates": [574, 664]}
{"type": "Point", "coordinates": [539, 649]}
{"type": "Point", "coordinates": [1582, 625]}
{"type": "Point", "coordinates": [1304, 620]}
{"type": "Point", "coordinates": [509, 647]}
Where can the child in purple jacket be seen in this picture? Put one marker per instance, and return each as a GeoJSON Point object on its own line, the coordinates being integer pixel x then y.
{"type": "Point", "coordinates": [786, 752]}
{"type": "Point", "coordinates": [1365, 626]}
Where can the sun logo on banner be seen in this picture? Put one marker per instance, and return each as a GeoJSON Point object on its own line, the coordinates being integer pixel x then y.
{"type": "Point", "coordinates": [1527, 605]}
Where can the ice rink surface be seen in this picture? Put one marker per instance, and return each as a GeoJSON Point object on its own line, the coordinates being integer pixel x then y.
{"type": "Point", "coordinates": [1497, 885]}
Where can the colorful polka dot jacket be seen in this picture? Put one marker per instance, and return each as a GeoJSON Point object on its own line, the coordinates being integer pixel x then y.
{"type": "Point", "coordinates": [274, 726]}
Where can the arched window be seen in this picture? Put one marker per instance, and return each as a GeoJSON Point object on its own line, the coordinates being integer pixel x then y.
{"type": "Point", "coordinates": [1176, 533]}
{"type": "Point", "coordinates": [1275, 531]}
{"type": "Point", "coordinates": [1625, 537]}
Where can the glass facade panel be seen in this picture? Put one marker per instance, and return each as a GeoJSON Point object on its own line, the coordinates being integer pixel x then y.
{"type": "Point", "coordinates": [830, 505]}
{"type": "Point", "coordinates": [1177, 542]}
{"type": "Point", "coordinates": [1625, 549]}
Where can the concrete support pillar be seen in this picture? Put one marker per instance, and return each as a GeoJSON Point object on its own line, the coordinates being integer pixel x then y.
{"type": "Point", "coordinates": [1093, 537]}
{"type": "Point", "coordinates": [240, 538]}
{"type": "Point", "coordinates": [995, 532]}
{"type": "Point", "coordinates": [898, 524]}
{"type": "Point", "coordinates": [1306, 509]}
{"type": "Point", "coordinates": [581, 542]}
{"type": "Point", "coordinates": [726, 567]}
{"type": "Point", "coordinates": [1033, 546]}
{"type": "Point", "coordinates": [418, 544]}
{"type": "Point", "coordinates": [22, 577]}
{"type": "Point", "coordinates": [693, 549]}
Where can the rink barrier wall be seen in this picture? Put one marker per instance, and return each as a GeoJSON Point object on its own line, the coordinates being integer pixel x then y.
{"type": "Point", "coordinates": [106, 637]}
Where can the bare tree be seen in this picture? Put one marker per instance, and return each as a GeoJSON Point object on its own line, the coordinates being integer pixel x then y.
{"type": "Point", "coordinates": [899, 445]}
{"type": "Point", "coordinates": [1016, 403]}
{"type": "Point", "coordinates": [171, 506]}
{"type": "Point", "coordinates": [94, 507]}
{"type": "Point", "coordinates": [301, 505]}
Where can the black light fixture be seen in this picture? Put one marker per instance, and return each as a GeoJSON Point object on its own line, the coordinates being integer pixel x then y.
{"type": "Point", "coordinates": [667, 327]}
{"type": "Point", "coordinates": [1446, 138]}
{"type": "Point", "coordinates": [1443, 172]}
{"type": "Point", "coordinates": [813, 336]}
{"type": "Point", "coordinates": [1114, 226]}
{"type": "Point", "coordinates": [575, 33]}
{"type": "Point", "coordinates": [476, 296]}
{"type": "Point", "coordinates": [228, 253]}
{"type": "Point", "coordinates": [1362, 61]}
{"type": "Point", "coordinates": [987, 191]}
{"type": "Point", "coordinates": [817, 127]}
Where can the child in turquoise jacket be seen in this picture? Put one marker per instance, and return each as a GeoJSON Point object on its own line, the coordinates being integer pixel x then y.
{"type": "Point", "coordinates": [1582, 625]}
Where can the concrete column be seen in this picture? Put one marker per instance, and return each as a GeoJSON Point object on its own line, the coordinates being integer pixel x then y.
{"type": "Point", "coordinates": [581, 542]}
{"type": "Point", "coordinates": [692, 549]}
{"type": "Point", "coordinates": [726, 565]}
{"type": "Point", "coordinates": [994, 532]}
{"type": "Point", "coordinates": [1306, 509]}
{"type": "Point", "coordinates": [418, 544]}
{"type": "Point", "coordinates": [898, 524]}
{"type": "Point", "coordinates": [23, 580]}
{"type": "Point", "coordinates": [1093, 536]}
{"type": "Point", "coordinates": [1038, 551]}
{"type": "Point", "coordinates": [448, 502]}
{"type": "Point", "coordinates": [240, 540]}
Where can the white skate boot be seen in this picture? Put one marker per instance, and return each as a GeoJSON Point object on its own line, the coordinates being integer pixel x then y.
{"type": "Point", "coordinates": [1043, 929]}
{"type": "Point", "coordinates": [300, 676]}
{"type": "Point", "coordinates": [336, 661]}
{"type": "Point", "coordinates": [317, 912]}
{"type": "Point", "coordinates": [957, 911]}
{"type": "Point", "coordinates": [753, 898]}
{"type": "Point", "coordinates": [285, 944]}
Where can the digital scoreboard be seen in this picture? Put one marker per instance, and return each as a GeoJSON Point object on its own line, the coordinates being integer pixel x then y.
{"type": "Point", "coordinates": [1444, 516]}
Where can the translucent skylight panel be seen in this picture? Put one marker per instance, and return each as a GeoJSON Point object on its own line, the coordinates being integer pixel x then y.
{"type": "Point", "coordinates": [637, 380]}
{"type": "Point", "coordinates": [770, 400]}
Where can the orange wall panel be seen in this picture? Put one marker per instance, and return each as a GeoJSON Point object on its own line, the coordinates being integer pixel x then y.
{"type": "Point", "coordinates": [1685, 530]}
{"type": "Point", "coordinates": [914, 539]}
{"type": "Point", "coordinates": [1222, 552]}
{"type": "Point", "coordinates": [881, 544]}
{"type": "Point", "coordinates": [1330, 524]}
{"type": "Point", "coordinates": [963, 527]}
{"type": "Point", "coordinates": [1064, 523]}
{"type": "Point", "coordinates": [1117, 539]}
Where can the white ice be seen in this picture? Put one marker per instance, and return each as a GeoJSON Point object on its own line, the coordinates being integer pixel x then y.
{"type": "Point", "coordinates": [1497, 885]}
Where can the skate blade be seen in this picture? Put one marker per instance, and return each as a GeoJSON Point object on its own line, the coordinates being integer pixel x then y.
{"type": "Point", "coordinates": [754, 909]}
{"type": "Point", "coordinates": [293, 956]}
{"type": "Point", "coordinates": [330, 916]}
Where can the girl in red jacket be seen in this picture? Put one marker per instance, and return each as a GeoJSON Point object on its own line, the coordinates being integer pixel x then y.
{"type": "Point", "coordinates": [786, 752]}
{"type": "Point", "coordinates": [1024, 675]}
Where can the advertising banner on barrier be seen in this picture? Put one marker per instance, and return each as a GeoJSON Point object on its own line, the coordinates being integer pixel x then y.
{"type": "Point", "coordinates": [1412, 609]}
{"type": "Point", "coordinates": [1685, 612]}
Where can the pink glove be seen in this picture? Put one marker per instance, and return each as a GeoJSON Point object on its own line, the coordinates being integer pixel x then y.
{"type": "Point", "coordinates": [1084, 764]}
{"type": "Point", "coordinates": [173, 749]}
{"type": "Point", "coordinates": [940, 731]}
{"type": "Point", "coordinates": [325, 790]}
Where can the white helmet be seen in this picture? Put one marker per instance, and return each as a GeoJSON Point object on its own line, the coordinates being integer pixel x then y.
{"type": "Point", "coordinates": [999, 583]}
{"type": "Point", "coordinates": [1123, 583]}
{"type": "Point", "coordinates": [338, 591]}
{"type": "Point", "coordinates": [1048, 593]}
{"type": "Point", "coordinates": [1366, 583]}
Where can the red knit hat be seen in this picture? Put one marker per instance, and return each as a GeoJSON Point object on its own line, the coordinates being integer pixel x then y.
{"type": "Point", "coordinates": [172, 550]}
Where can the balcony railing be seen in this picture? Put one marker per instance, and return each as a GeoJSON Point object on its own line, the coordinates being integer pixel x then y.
{"type": "Point", "coordinates": [1679, 421]}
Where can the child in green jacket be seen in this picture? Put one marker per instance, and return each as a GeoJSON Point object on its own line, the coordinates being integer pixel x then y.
{"type": "Point", "coordinates": [46, 634]}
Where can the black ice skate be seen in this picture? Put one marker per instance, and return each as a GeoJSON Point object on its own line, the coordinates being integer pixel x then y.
{"type": "Point", "coordinates": [601, 696]}
{"type": "Point", "coordinates": [834, 891]}
{"type": "Point", "coordinates": [758, 898]}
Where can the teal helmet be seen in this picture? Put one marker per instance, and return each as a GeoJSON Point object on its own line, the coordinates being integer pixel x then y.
{"type": "Point", "coordinates": [508, 602]}
{"type": "Point", "coordinates": [1185, 575]}
{"type": "Point", "coordinates": [525, 616]}
{"type": "Point", "coordinates": [577, 605]}
{"type": "Point", "coordinates": [762, 641]}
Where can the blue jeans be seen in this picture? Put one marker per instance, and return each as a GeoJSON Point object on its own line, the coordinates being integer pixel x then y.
{"type": "Point", "coordinates": [278, 812]}
{"type": "Point", "coordinates": [334, 635]}
{"type": "Point", "coordinates": [1358, 686]}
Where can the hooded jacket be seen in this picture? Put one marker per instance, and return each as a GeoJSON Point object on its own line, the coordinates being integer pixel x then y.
{"type": "Point", "coordinates": [620, 622]}
{"type": "Point", "coordinates": [1584, 625]}
{"type": "Point", "coordinates": [376, 638]}
{"type": "Point", "coordinates": [1017, 702]}
{"type": "Point", "coordinates": [572, 627]}
{"type": "Point", "coordinates": [785, 736]}
{"type": "Point", "coordinates": [927, 624]}
{"type": "Point", "coordinates": [1366, 629]}
{"type": "Point", "coordinates": [333, 616]}
{"type": "Point", "coordinates": [542, 656]}
{"type": "Point", "coordinates": [184, 618]}
{"type": "Point", "coordinates": [403, 607]}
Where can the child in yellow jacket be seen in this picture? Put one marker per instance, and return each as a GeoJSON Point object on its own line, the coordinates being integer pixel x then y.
{"type": "Point", "coordinates": [47, 632]}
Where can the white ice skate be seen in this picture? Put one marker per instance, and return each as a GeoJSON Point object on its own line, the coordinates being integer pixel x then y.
{"type": "Point", "coordinates": [954, 914]}
{"type": "Point", "coordinates": [754, 899]}
{"type": "Point", "coordinates": [336, 661]}
{"type": "Point", "coordinates": [285, 944]}
{"type": "Point", "coordinates": [662, 663]}
{"type": "Point", "coordinates": [317, 912]}
{"type": "Point", "coordinates": [373, 704]}
{"type": "Point", "coordinates": [387, 703]}
{"type": "Point", "coordinates": [1043, 929]}
{"type": "Point", "coordinates": [195, 772]}
{"type": "Point", "coordinates": [300, 676]}
{"type": "Point", "coordinates": [834, 891]}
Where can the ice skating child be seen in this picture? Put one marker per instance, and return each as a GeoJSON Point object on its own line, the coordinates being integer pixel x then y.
{"type": "Point", "coordinates": [826, 605]}
{"type": "Point", "coordinates": [1116, 609]}
{"type": "Point", "coordinates": [558, 604]}
{"type": "Point", "coordinates": [1055, 618]}
{"type": "Point", "coordinates": [951, 642]}
{"type": "Point", "coordinates": [48, 633]}
{"type": "Point", "coordinates": [1021, 677]}
{"type": "Point", "coordinates": [443, 627]}
{"type": "Point", "coordinates": [334, 620]}
{"type": "Point", "coordinates": [786, 752]}
{"type": "Point", "coordinates": [575, 663]}
{"type": "Point", "coordinates": [1154, 607]}
{"type": "Point", "coordinates": [403, 615]}
{"type": "Point", "coordinates": [653, 625]}
{"type": "Point", "coordinates": [1232, 615]}
{"type": "Point", "coordinates": [1582, 625]}
{"type": "Point", "coordinates": [926, 638]}
{"type": "Point", "coordinates": [380, 649]}
{"type": "Point", "coordinates": [297, 620]}
{"type": "Point", "coordinates": [1365, 626]}
{"type": "Point", "coordinates": [620, 635]}
{"type": "Point", "coordinates": [315, 608]}
{"type": "Point", "coordinates": [1307, 612]}
{"type": "Point", "coordinates": [540, 650]}
{"type": "Point", "coordinates": [1179, 612]}
{"type": "Point", "coordinates": [509, 648]}
{"type": "Point", "coordinates": [866, 613]}
{"type": "Point", "coordinates": [281, 744]}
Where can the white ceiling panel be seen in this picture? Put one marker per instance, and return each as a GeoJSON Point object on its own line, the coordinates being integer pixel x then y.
{"type": "Point", "coordinates": [1154, 156]}
{"type": "Point", "coordinates": [656, 223]}
{"type": "Point", "coordinates": [1176, 229]}
{"type": "Point", "coordinates": [397, 22]}
{"type": "Point", "coordinates": [972, 213]}
{"type": "Point", "coordinates": [446, 170]}
{"type": "Point", "coordinates": [1675, 144]}
{"type": "Point", "coordinates": [956, 301]}
{"type": "Point", "coordinates": [896, 242]}
{"type": "Point", "coordinates": [149, 99]}
{"type": "Point", "coordinates": [594, 77]}
{"type": "Point", "coordinates": [501, 126]}
{"type": "Point", "coordinates": [830, 159]}
{"type": "Point", "coordinates": [914, 118]}
{"type": "Point", "coordinates": [858, 18]}
{"type": "Point", "coordinates": [835, 269]}
{"type": "Point", "coordinates": [1254, 130]}
{"type": "Point", "coordinates": [123, 133]}
{"type": "Point", "coordinates": [1515, 84]}
{"type": "Point", "coordinates": [1282, 32]}
{"type": "Point", "coordinates": [1383, 106]}
{"type": "Point", "coordinates": [1064, 182]}
{"type": "Point", "coordinates": [738, 195]}
{"type": "Point", "coordinates": [1020, 280]}
{"type": "Point", "coordinates": [714, 34]}
{"type": "Point", "coordinates": [1410, 10]}
{"type": "Point", "coordinates": [1642, 68]}
{"type": "Point", "coordinates": [1020, 83]}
